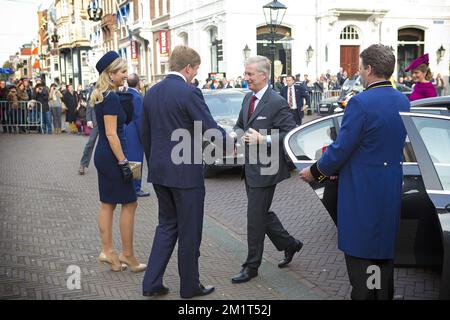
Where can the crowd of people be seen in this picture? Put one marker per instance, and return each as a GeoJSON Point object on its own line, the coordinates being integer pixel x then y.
{"type": "Point", "coordinates": [24, 105]}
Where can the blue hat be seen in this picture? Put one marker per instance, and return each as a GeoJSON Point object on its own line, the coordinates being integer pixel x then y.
{"type": "Point", "coordinates": [106, 60]}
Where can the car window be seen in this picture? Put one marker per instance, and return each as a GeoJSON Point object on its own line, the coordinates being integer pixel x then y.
{"type": "Point", "coordinates": [224, 106]}
{"type": "Point", "coordinates": [435, 134]}
{"type": "Point", "coordinates": [408, 152]}
{"type": "Point", "coordinates": [311, 142]}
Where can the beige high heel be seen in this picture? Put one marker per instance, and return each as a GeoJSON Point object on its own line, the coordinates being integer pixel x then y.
{"type": "Point", "coordinates": [113, 262]}
{"type": "Point", "coordinates": [134, 266]}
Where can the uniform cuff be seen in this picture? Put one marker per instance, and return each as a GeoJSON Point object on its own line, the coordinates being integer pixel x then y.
{"type": "Point", "coordinates": [317, 174]}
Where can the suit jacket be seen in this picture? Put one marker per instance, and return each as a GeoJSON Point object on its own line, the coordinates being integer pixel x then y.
{"type": "Point", "coordinates": [300, 93]}
{"type": "Point", "coordinates": [272, 112]}
{"type": "Point", "coordinates": [368, 155]}
{"type": "Point", "coordinates": [170, 105]}
{"type": "Point", "coordinates": [135, 151]}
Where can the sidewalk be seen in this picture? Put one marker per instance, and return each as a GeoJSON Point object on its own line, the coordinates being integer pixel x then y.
{"type": "Point", "coordinates": [49, 222]}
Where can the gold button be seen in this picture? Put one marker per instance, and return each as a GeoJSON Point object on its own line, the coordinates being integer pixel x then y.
{"type": "Point", "coordinates": [385, 164]}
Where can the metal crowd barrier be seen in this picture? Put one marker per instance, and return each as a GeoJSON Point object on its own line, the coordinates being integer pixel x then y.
{"type": "Point", "coordinates": [317, 96]}
{"type": "Point", "coordinates": [21, 116]}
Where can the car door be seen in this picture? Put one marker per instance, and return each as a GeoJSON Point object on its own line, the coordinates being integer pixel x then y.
{"type": "Point", "coordinates": [418, 240]}
{"type": "Point", "coordinates": [430, 138]}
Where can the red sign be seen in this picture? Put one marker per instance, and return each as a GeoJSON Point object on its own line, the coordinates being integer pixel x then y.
{"type": "Point", "coordinates": [164, 43]}
{"type": "Point", "coordinates": [134, 48]}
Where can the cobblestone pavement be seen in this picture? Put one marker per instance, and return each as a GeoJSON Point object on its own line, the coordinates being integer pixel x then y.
{"type": "Point", "coordinates": [48, 222]}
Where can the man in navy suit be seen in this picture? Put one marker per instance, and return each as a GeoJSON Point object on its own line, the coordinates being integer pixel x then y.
{"type": "Point", "coordinates": [294, 95]}
{"type": "Point", "coordinates": [135, 151]}
{"type": "Point", "coordinates": [172, 106]}
{"type": "Point", "coordinates": [368, 156]}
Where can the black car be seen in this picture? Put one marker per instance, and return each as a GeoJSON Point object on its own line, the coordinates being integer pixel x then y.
{"type": "Point", "coordinates": [349, 89]}
{"type": "Point", "coordinates": [424, 232]}
{"type": "Point", "coordinates": [225, 106]}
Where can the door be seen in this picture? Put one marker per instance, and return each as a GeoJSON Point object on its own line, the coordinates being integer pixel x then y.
{"type": "Point", "coordinates": [350, 59]}
{"type": "Point", "coordinates": [418, 241]}
{"type": "Point", "coordinates": [430, 138]}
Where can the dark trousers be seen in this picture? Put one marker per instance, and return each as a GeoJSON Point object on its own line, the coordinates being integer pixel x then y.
{"type": "Point", "coordinates": [89, 147]}
{"type": "Point", "coordinates": [296, 115]}
{"type": "Point", "coordinates": [180, 217]}
{"type": "Point", "coordinates": [261, 221]}
{"type": "Point", "coordinates": [359, 274]}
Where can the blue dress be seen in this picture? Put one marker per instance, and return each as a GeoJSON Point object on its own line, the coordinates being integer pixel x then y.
{"type": "Point", "coordinates": [111, 187]}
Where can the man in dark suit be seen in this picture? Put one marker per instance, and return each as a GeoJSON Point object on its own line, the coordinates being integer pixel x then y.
{"type": "Point", "coordinates": [173, 109]}
{"type": "Point", "coordinates": [91, 123]}
{"type": "Point", "coordinates": [265, 111]}
{"type": "Point", "coordinates": [134, 151]}
{"type": "Point", "coordinates": [294, 95]}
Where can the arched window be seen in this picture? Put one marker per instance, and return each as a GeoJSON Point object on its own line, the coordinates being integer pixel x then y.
{"type": "Point", "coordinates": [283, 50]}
{"type": "Point", "coordinates": [349, 33]}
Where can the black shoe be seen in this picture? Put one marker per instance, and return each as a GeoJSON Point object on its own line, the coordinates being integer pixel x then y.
{"type": "Point", "coordinates": [157, 292]}
{"type": "Point", "coordinates": [141, 193]}
{"type": "Point", "coordinates": [201, 291]}
{"type": "Point", "coordinates": [245, 275]}
{"type": "Point", "coordinates": [289, 253]}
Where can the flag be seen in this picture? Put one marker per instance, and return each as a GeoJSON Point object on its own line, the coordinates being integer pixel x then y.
{"type": "Point", "coordinates": [35, 51]}
{"type": "Point", "coordinates": [37, 65]}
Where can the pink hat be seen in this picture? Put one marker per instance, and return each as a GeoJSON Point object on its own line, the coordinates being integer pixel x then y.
{"type": "Point", "coordinates": [421, 60]}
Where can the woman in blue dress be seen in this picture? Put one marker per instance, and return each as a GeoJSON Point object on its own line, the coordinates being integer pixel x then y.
{"type": "Point", "coordinates": [115, 178]}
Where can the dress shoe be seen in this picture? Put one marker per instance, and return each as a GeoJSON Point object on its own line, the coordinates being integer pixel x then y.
{"type": "Point", "coordinates": [245, 275]}
{"type": "Point", "coordinates": [141, 194]}
{"type": "Point", "coordinates": [161, 291]}
{"type": "Point", "coordinates": [133, 264]}
{"type": "Point", "coordinates": [289, 253]}
{"type": "Point", "coordinates": [201, 291]}
{"type": "Point", "coordinates": [112, 261]}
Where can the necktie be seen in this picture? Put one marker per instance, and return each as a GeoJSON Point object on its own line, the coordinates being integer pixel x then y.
{"type": "Point", "coordinates": [251, 109]}
{"type": "Point", "coordinates": [291, 98]}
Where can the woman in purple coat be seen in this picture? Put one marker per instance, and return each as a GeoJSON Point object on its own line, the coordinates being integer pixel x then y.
{"type": "Point", "coordinates": [422, 76]}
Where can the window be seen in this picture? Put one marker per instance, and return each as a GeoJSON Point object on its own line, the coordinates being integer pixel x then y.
{"type": "Point", "coordinates": [435, 134]}
{"type": "Point", "coordinates": [311, 142]}
{"type": "Point", "coordinates": [25, 71]}
{"type": "Point", "coordinates": [25, 62]}
{"type": "Point", "coordinates": [349, 33]}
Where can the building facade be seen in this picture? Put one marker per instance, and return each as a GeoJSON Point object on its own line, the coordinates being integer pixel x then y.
{"type": "Point", "coordinates": [326, 34]}
{"type": "Point", "coordinates": [73, 26]}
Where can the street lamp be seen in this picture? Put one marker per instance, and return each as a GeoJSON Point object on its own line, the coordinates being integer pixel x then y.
{"type": "Point", "coordinates": [440, 53]}
{"type": "Point", "coordinates": [94, 11]}
{"type": "Point", "coordinates": [309, 54]}
{"type": "Point", "coordinates": [247, 51]}
{"type": "Point", "coordinates": [274, 14]}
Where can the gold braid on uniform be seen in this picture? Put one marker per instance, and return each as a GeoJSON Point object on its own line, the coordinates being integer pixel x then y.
{"type": "Point", "coordinates": [318, 175]}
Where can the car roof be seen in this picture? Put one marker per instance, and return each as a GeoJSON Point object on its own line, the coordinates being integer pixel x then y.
{"type": "Point", "coordinates": [225, 91]}
{"type": "Point", "coordinates": [430, 102]}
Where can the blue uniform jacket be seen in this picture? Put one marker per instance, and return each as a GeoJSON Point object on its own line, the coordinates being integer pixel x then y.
{"type": "Point", "coordinates": [135, 152]}
{"type": "Point", "coordinates": [368, 155]}
{"type": "Point", "coordinates": [170, 105]}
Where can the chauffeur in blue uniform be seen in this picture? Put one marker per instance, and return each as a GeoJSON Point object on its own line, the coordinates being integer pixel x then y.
{"type": "Point", "coordinates": [368, 156]}
{"type": "Point", "coordinates": [294, 95]}
{"type": "Point", "coordinates": [170, 105]}
{"type": "Point", "coordinates": [135, 152]}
